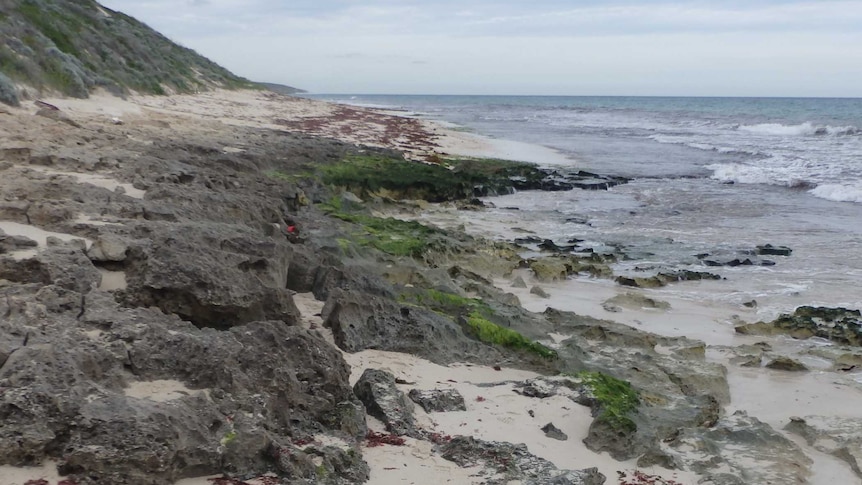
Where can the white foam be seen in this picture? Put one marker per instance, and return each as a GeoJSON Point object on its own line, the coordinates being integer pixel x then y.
{"type": "Point", "coordinates": [839, 192]}
{"type": "Point", "coordinates": [802, 129]}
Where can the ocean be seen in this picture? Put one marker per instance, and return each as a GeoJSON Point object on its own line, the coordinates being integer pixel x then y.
{"type": "Point", "coordinates": [709, 175]}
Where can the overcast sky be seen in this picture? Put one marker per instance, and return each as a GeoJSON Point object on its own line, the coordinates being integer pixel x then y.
{"type": "Point", "coordinates": [570, 47]}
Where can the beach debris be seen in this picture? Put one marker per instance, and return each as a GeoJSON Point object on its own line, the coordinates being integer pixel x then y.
{"type": "Point", "coordinates": [637, 477]}
{"type": "Point", "coordinates": [374, 439]}
{"type": "Point", "coordinates": [438, 400]}
{"type": "Point", "coordinates": [554, 432]}
{"type": "Point", "coordinates": [382, 399]}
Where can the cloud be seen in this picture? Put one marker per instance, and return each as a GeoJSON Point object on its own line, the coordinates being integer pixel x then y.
{"type": "Point", "coordinates": [761, 47]}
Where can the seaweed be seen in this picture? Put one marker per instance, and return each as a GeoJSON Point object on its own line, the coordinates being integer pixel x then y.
{"type": "Point", "coordinates": [490, 332]}
{"type": "Point", "coordinates": [617, 399]}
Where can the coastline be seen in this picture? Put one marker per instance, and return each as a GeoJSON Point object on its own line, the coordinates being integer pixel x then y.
{"type": "Point", "coordinates": [502, 413]}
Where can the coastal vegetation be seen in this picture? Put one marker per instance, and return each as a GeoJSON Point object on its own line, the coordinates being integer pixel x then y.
{"type": "Point", "coordinates": [73, 47]}
{"type": "Point", "coordinates": [617, 399]}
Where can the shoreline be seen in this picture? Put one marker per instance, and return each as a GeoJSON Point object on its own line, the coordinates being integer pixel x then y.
{"type": "Point", "coordinates": [251, 110]}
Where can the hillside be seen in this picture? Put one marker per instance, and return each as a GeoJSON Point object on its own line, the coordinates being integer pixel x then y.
{"type": "Point", "coordinates": [282, 89]}
{"type": "Point", "coordinates": [75, 46]}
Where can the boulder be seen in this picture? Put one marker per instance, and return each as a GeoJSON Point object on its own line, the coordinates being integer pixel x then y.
{"type": "Point", "coordinates": [839, 325]}
{"type": "Point", "coordinates": [519, 282]}
{"type": "Point", "coordinates": [554, 432]}
{"type": "Point", "coordinates": [382, 399]}
{"type": "Point", "coordinates": [770, 250]}
{"type": "Point", "coordinates": [787, 364]}
{"type": "Point", "coordinates": [538, 291]}
{"type": "Point", "coordinates": [108, 248]}
{"type": "Point", "coordinates": [549, 269]}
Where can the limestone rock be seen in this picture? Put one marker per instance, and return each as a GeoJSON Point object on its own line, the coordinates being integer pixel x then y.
{"type": "Point", "coordinates": [519, 282]}
{"type": "Point", "coordinates": [538, 291]}
{"type": "Point", "coordinates": [549, 269]}
{"type": "Point", "coordinates": [504, 463]}
{"type": "Point", "coordinates": [108, 248]}
{"type": "Point", "coordinates": [840, 437]}
{"type": "Point", "coordinates": [438, 400]}
{"type": "Point", "coordinates": [786, 364]}
{"type": "Point", "coordinates": [378, 392]}
{"type": "Point", "coordinates": [553, 432]}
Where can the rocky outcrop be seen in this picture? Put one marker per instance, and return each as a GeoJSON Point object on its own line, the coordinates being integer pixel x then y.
{"type": "Point", "coordinates": [663, 279]}
{"type": "Point", "coordinates": [737, 450]}
{"type": "Point", "coordinates": [840, 437]}
{"type": "Point", "coordinates": [839, 325]}
{"type": "Point", "coordinates": [502, 463]}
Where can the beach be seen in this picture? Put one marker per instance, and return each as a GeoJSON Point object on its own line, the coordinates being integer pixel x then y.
{"type": "Point", "coordinates": [677, 344]}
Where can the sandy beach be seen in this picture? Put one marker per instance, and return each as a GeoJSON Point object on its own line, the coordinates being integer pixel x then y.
{"type": "Point", "coordinates": [494, 410]}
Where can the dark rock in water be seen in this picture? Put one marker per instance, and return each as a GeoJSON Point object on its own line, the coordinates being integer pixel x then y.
{"type": "Point", "coordinates": [529, 240]}
{"type": "Point", "coordinates": [378, 392]}
{"type": "Point", "coordinates": [839, 325]}
{"type": "Point", "coordinates": [549, 245]}
{"type": "Point", "coordinates": [553, 432]}
{"type": "Point", "coordinates": [662, 279]}
{"type": "Point", "coordinates": [750, 304]}
{"type": "Point", "coordinates": [438, 400]}
{"type": "Point", "coordinates": [504, 463]}
{"type": "Point", "coordinates": [770, 250]}
{"type": "Point", "coordinates": [786, 363]}
{"type": "Point", "coordinates": [577, 220]}
{"type": "Point", "coordinates": [538, 291]}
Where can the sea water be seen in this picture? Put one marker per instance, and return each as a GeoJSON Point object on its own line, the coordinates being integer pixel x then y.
{"type": "Point", "coordinates": [708, 175]}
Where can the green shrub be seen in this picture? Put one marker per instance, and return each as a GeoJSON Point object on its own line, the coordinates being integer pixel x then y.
{"type": "Point", "coordinates": [8, 92]}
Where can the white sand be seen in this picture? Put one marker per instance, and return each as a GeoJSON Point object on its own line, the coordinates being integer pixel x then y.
{"type": "Point", "coordinates": [10, 475]}
{"type": "Point", "coordinates": [112, 280]}
{"type": "Point", "coordinates": [472, 145]}
{"type": "Point", "coordinates": [500, 415]}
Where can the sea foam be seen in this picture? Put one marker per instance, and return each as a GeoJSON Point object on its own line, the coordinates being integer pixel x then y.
{"type": "Point", "coordinates": [838, 192]}
{"type": "Point", "coordinates": [802, 129]}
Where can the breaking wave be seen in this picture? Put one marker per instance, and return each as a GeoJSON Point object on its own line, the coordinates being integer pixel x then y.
{"type": "Point", "coordinates": [838, 192]}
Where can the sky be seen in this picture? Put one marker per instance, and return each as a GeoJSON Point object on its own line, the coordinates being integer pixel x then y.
{"type": "Point", "coordinates": [536, 47]}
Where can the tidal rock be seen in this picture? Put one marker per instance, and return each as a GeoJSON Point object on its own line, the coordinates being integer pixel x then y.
{"type": "Point", "coordinates": [637, 301]}
{"type": "Point", "coordinates": [769, 249]}
{"type": "Point", "coordinates": [381, 397]}
{"type": "Point", "coordinates": [549, 269]}
{"type": "Point", "coordinates": [549, 245]}
{"type": "Point", "coordinates": [787, 364]}
{"type": "Point", "coordinates": [739, 450]}
{"type": "Point", "coordinates": [839, 325]}
{"type": "Point", "coordinates": [840, 437]}
{"type": "Point", "coordinates": [519, 282]}
{"type": "Point", "coordinates": [662, 279]}
{"type": "Point", "coordinates": [504, 463]}
{"type": "Point", "coordinates": [15, 243]}
{"type": "Point", "coordinates": [438, 400]}
{"type": "Point", "coordinates": [538, 291]}
{"type": "Point", "coordinates": [554, 432]}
